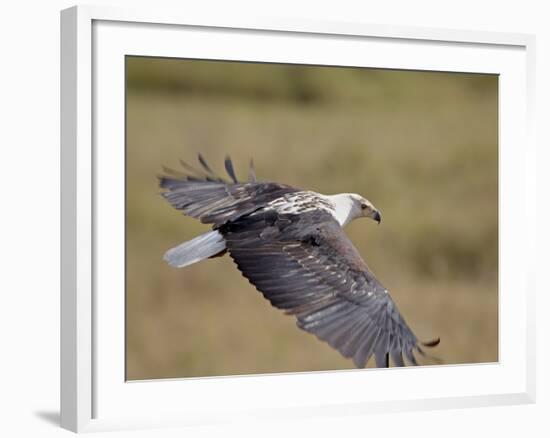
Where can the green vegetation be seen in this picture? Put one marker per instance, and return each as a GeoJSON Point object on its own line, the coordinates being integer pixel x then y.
{"type": "Point", "coordinates": [422, 146]}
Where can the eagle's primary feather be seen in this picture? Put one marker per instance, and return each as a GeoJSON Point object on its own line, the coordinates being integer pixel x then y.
{"type": "Point", "coordinates": [290, 245]}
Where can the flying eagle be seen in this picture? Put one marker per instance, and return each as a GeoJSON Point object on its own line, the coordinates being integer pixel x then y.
{"type": "Point", "coordinates": [290, 244]}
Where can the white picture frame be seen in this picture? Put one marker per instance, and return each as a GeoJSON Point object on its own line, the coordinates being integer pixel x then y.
{"type": "Point", "coordinates": [94, 394]}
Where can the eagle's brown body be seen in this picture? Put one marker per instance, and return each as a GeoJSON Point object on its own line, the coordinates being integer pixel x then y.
{"type": "Point", "coordinates": [290, 245]}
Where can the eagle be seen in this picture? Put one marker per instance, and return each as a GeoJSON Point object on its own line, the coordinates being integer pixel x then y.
{"type": "Point", "coordinates": [290, 244]}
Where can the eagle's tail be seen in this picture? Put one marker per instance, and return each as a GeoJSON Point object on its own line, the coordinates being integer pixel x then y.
{"type": "Point", "coordinates": [206, 245]}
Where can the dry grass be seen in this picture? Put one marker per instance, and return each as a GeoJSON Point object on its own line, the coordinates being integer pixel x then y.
{"type": "Point", "coordinates": [421, 146]}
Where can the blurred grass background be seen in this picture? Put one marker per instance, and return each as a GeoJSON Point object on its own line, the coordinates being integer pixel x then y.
{"type": "Point", "coordinates": [422, 146]}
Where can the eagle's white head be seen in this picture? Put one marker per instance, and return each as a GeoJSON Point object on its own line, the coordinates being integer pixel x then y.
{"type": "Point", "coordinates": [350, 206]}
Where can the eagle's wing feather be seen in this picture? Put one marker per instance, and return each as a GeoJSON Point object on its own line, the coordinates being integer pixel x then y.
{"type": "Point", "coordinates": [305, 264]}
{"type": "Point", "coordinates": [213, 200]}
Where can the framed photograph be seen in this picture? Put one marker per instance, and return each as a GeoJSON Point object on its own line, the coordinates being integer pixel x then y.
{"type": "Point", "coordinates": [216, 172]}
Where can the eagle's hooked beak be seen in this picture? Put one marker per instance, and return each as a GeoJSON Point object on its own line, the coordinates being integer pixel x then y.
{"type": "Point", "coordinates": [370, 211]}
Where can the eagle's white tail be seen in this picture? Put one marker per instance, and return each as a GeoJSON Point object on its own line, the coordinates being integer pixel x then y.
{"type": "Point", "coordinates": [201, 247]}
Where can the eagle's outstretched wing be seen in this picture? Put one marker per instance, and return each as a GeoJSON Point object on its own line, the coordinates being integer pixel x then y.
{"type": "Point", "coordinates": [213, 200]}
{"type": "Point", "coordinates": [307, 266]}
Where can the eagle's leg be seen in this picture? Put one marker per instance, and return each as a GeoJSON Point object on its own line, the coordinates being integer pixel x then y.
{"type": "Point", "coordinates": [387, 360]}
